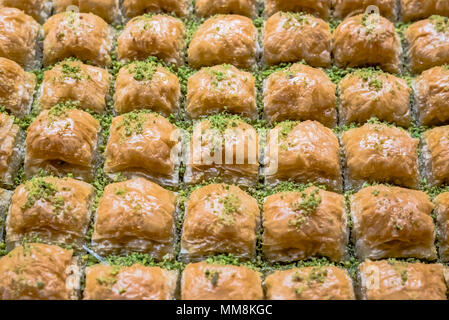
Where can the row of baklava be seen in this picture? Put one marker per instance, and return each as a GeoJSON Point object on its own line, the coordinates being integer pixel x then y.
{"type": "Point", "coordinates": [232, 39]}
{"type": "Point", "coordinates": [64, 141]}
{"type": "Point", "coordinates": [110, 11]}
{"type": "Point", "coordinates": [38, 271]}
{"type": "Point", "coordinates": [138, 215]}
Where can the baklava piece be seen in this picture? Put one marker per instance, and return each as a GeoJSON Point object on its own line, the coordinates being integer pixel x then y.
{"type": "Point", "coordinates": [38, 9]}
{"type": "Point", "coordinates": [442, 216]}
{"type": "Point", "coordinates": [428, 42]}
{"type": "Point", "coordinates": [221, 88]}
{"type": "Point", "coordinates": [5, 197]}
{"type": "Point", "coordinates": [16, 87]}
{"type": "Point", "coordinates": [11, 153]}
{"type": "Point", "coordinates": [392, 222]}
{"type": "Point", "coordinates": [292, 37]}
{"type": "Point", "coordinates": [367, 40]}
{"type": "Point", "coordinates": [209, 281]}
{"type": "Point", "coordinates": [207, 8]}
{"type": "Point", "coordinates": [62, 141]}
{"type": "Point", "coordinates": [319, 8]}
{"type": "Point", "coordinates": [133, 8]}
{"type": "Point", "coordinates": [146, 85]}
{"type": "Point", "coordinates": [300, 93]}
{"type": "Point", "coordinates": [305, 152]}
{"type": "Point", "coordinates": [220, 219]}
{"type": "Point", "coordinates": [435, 154]}
{"type": "Point", "coordinates": [399, 280]}
{"type": "Point", "coordinates": [432, 96]}
{"type": "Point", "coordinates": [54, 210]}
{"type": "Point", "coordinates": [39, 272]}
{"type": "Point", "coordinates": [140, 144]}
{"type": "Point", "coordinates": [136, 282]}
{"type": "Point", "coordinates": [348, 8]}
{"type": "Point", "coordinates": [73, 81]}
{"type": "Point", "coordinates": [365, 94]}
{"type": "Point", "coordinates": [136, 215]}
{"type": "Point", "coordinates": [160, 36]}
{"type": "Point", "coordinates": [108, 10]}
{"type": "Point", "coordinates": [310, 283]}
{"type": "Point", "coordinates": [230, 39]}
{"type": "Point", "coordinates": [223, 147]}
{"type": "Point", "coordinates": [301, 225]}
{"type": "Point", "coordinates": [421, 9]}
{"type": "Point", "coordinates": [19, 34]}
{"type": "Point", "coordinates": [84, 36]}
{"type": "Point", "coordinates": [380, 153]}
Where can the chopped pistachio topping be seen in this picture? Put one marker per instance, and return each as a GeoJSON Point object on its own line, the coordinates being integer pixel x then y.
{"type": "Point", "coordinates": [71, 71]}
{"type": "Point", "coordinates": [441, 23]}
{"type": "Point", "coordinates": [212, 276]}
{"type": "Point", "coordinates": [142, 70]}
{"type": "Point", "coordinates": [294, 18]}
{"type": "Point", "coordinates": [306, 206]}
{"type": "Point", "coordinates": [231, 205]}
{"type": "Point", "coordinates": [132, 123]}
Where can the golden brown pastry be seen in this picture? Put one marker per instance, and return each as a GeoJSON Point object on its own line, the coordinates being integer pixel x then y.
{"type": "Point", "coordinates": [398, 280]}
{"type": "Point", "coordinates": [319, 8]}
{"type": "Point", "coordinates": [135, 216]}
{"type": "Point", "coordinates": [442, 216]}
{"type": "Point", "coordinates": [38, 272]}
{"type": "Point", "coordinates": [81, 35]}
{"type": "Point", "coordinates": [436, 155]}
{"type": "Point", "coordinates": [432, 96]}
{"type": "Point", "coordinates": [300, 225]}
{"type": "Point", "coordinates": [300, 93]}
{"type": "Point", "coordinates": [348, 8]}
{"type": "Point", "coordinates": [310, 283]}
{"type": "Point", "coordinates": [223, 147]}
{"type": "Point", "coordinates": [134, 8]}
{"type": "Point", "coordinates": [207, 8]}
{"type": "Point", "coordinates": [366, 93]}
{"type": "Point", "coordinates": [61, 141]}
{"type": "Point", "coordinates": [19, 34]}
{"type": "Point", "coordinates": [230, 39]}
{"type": "Point", "coordinates": [74, 81]}
{"type": "Point", "coordinates": [129, 283]}
{"type": "Point", "coordinates": [292, 37]}
{"type": "Point", "coordinates": [54, 210]}
{"type": "Point", "coordinates": [5, 197]}
{"type": "Point", "coordinates": [303, 152]}
{"type": "Point", "coordinates": [367, 40]}
{"type": "Point", "coordinates": [140, 144]}
{"type": "Point", "coordinates": [207, 281]}
{"type": "Point", "coordinates": [11, 139]}
{"type": "Point", "coordinates": [16, 87]}
{"type": "Point", "coordinates": [392, 222]}
{"type": "Point", "coordinates": [108, 10]}
{"type": "Point", "coordinates": [421, 9]}
{"type": "Point", "coordinates": [428, 43]}
{"type": "Point", "coordinates": [158, 35]}
{"type": "Point", "coordinates": [380, 153]}
{"type": "Point", "coordinates": [146, 85]}
{"type": "Point", "coordinates": [221, 88]}
{"type": "Point", "coordinates": [38, 9]}
{"type": "Point", "coordinates": [219, 219]}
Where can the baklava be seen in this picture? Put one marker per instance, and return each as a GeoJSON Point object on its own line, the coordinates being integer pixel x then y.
{"type": "Point", "coordinates": [442, 217]}
{"type": "Point", "coordinates": [108, 10]}
{"type": "Point", "coordinates": [319, 8]}
{"type": "Point", "coordinates": [209, 281]}
{"type": "Point", "coordinates": [300, 92]}
{"type": "Point", "coordinates": [399, 280]}
{"type": "Point", "coordinates": [380, 153]}
{"type": "Point", "coordinates": [310, 283]}
{"type": "Point", "coordinates": [136, 282]}
{"type": "Point", "coordinates": [62, 141]}
{"type": "Point", "coordinates": [292, 37]}
{"type": "Point", "coordinates": [54, 210]}
{"type": "Point", "coordinates": [230, 39]}
{"type": "Point", "coordinates": [140, 144]}
{"type": "Point", "coordinates": [37, 271]}
{"type": "Point", "coordinates": [421, 9]}
{"type": "Point", "coordinates": [11, 149]}
{"type": "Point", "coordinates": [305, 152]}
{"type": "Point", "coordinates": [220, 219]}
{"type": "Point", "coordinates": [435, 154]}
{"type": "Point", "coordinates": [392, 222]}
{"type": "Point", "coordinates": [207, 8]}
{"type": "Point", "coordinates": [136, 215]}
{"type": "Point", "coordinates": [38, 9]}
{"type": "Point", "coordinates": [221, 88]}
{"type": "Point", "coordinates": [348, 8]}
{"type": "Point", "coordinates": [133, 8]}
